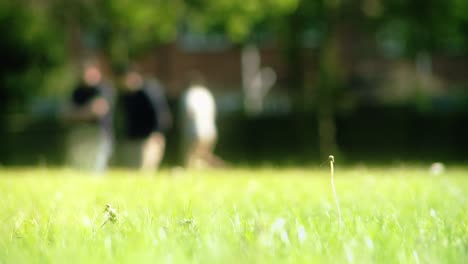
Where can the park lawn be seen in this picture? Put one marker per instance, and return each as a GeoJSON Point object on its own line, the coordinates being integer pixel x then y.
{"type": "Point", "coordinates": [391, 215]}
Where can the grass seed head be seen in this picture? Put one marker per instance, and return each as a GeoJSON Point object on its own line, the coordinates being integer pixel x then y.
{"type": "Point", "coordinates": [110, 214]}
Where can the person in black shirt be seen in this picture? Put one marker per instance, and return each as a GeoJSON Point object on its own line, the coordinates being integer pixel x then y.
{"type": "Point", "coordinates": [147, 117]}
{"type": "Point", "coordinates": [90, 109]}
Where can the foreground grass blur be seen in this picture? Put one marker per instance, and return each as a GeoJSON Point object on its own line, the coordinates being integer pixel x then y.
{"type": "Point", "coordinates": [391, 215]}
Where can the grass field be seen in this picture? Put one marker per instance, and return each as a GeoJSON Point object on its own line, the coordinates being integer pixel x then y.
{"type": "Point", "coordinates": [391, 215]}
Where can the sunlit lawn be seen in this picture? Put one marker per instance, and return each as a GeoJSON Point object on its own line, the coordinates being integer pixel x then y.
{"type": "Point", "coordinates": [391, 215]}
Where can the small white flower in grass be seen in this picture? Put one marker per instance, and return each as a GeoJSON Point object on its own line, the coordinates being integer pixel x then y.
{"type": "Point", "coordinates": [369, 243]}
{"type": "Point", "coordinates": [278, 228]}
{"type": "Point", "coordinates": [433, 213]}
{"type": "Point", "coordinates": [301, 233]}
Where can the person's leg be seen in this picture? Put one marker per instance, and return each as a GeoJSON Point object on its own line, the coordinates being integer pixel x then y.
{"type": "Point", "coordinates": [130, 153]}
{"type": "Point", "coordinates": [189, 148]}
{"type": "Point", "coordinates": [207, 153]}
{"type": "Point", "coordinates": [103, 153]}
{"type": "Point", "coordinates": [189, 154]}
{"type": "Point", "coordinates": [153, 151]}
{"type": "Point", "coordinates": [200, 155]}
{"type": "Point", "coordinates": [196, 155]}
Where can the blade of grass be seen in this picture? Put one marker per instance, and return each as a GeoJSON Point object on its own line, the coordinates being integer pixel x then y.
{"type": "Point", "coordinates": [332, 160]}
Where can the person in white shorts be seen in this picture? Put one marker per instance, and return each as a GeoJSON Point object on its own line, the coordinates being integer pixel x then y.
{"type": "Point", "coordinates": [199, 133]}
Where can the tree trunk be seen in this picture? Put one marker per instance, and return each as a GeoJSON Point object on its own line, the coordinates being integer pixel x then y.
{"type": "Point", "coordinates": [292, 32]}
{"type": "Point", "coordinates": [330, 80]}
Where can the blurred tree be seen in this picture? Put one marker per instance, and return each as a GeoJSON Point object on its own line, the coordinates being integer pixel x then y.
{"type": "Point", "coordinates": [40, 34]}
{"type": "Point", "coordinates": [34, 33]}
{"type": "Point", "coordinates": [29, 48]}
{"type": "Point", "coordinates": [237, 18]}
{"type": "Point", "coordinates": [132, 28]}
{"type": "Point", "coordinates": [120, 29]}
{"type": "Point", "coordinates": [411, 29]}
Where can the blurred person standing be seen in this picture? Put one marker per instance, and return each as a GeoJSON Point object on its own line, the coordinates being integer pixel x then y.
{"type": "Point", "coordinates": [90, 109]}
{"type": "Point", "coordinates": [199, 132]}
{"type": "Point", "coordinates": [147, 118]}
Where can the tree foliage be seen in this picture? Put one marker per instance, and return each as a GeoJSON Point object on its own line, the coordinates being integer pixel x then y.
{"type": "Point", "coordinates": [36, 35]}
{"type": "Point", "coordinates": [28, 47]}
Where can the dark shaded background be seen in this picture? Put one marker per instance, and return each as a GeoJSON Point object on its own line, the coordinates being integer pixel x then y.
{"type": "Point", "coordinates": [368, 80]}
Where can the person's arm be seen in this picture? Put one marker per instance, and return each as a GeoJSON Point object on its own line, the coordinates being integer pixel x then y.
{"type": "Point", "coordinates": [165, 120]}
{"type": "Point", "coordinates": [91, 111]}
{"type": "Point", "coordinates": [160, 106]}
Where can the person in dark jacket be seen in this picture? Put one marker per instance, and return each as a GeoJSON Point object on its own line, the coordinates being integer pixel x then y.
{"type": "Point", "coordinates": [147, 117]}
{"type": "Point", "coordinates": [90, 109]}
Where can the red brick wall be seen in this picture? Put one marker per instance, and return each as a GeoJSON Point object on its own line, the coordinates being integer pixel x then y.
{"type": "Point", "coordinates": [222, 69]}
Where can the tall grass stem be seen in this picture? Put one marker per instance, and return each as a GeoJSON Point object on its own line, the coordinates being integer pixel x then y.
{"type": "Point", "coordinates": [332, 172]}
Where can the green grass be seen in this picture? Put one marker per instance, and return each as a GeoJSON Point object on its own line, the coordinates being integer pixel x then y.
{"type": "Point", "coordinates": [391, 215]}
